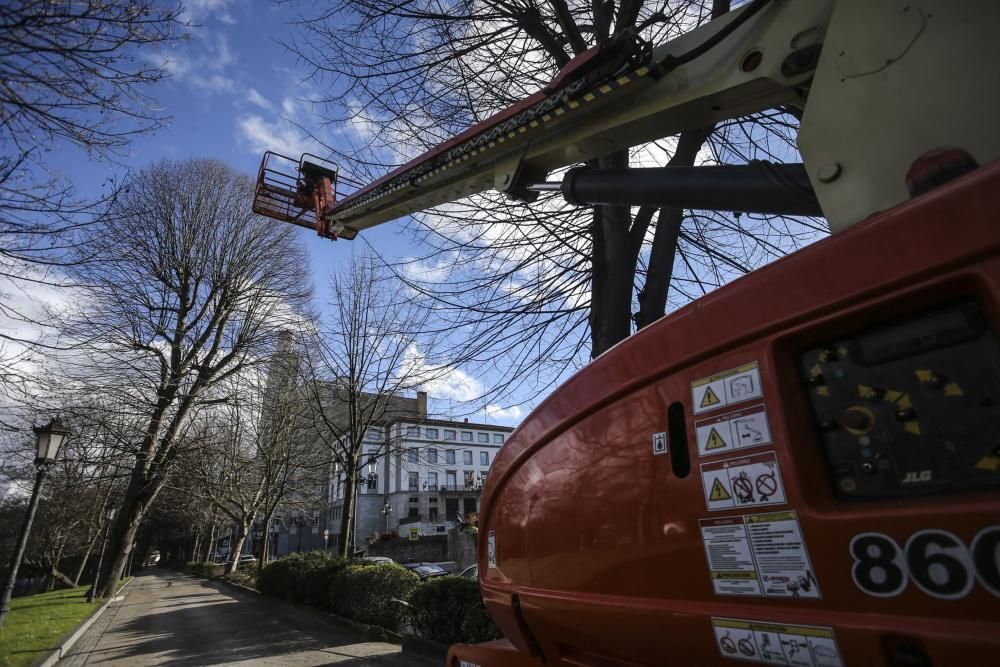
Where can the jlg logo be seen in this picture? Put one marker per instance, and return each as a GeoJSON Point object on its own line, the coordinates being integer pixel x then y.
{"type": "Point", "coordinates": [914, 476]}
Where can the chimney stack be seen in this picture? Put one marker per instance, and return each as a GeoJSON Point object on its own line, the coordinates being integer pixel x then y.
{"type": "Point", "coordinates": [422, 404]}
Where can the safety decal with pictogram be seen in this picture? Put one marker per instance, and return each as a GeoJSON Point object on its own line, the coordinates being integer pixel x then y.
{"type": "Point", "coordinates": [746, 481]}
{"type": "Point", "coordinates": [741, 429]}
{"type": "Point", "coordinates": [776, 643]}
{"type": "Point", "coordinates": [735, 385]}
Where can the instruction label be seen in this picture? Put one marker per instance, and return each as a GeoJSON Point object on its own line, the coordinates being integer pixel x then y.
{"type": "Point", "coordinates": [734, 430]}
{"type": "Point", "coordinates": [491, 549]}
{"type": "Point", "coordinates": [747, 481]}
{"type": "Point", "coordinates": [759, 555]}
{"type": "Point", "coordinates": [777, 643]}
{"type": "Point", "coordinates": [727, 388]}
{"type": "Point", "coordinates": [730, 562]}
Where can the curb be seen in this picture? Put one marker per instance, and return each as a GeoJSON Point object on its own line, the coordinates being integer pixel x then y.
{"type": "Point", "coordinates": [426, 649]}
{"type": "Point", "coordinates": [56, 654]}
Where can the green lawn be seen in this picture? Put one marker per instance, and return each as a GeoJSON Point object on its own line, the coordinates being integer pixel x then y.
{"type": "Point", "coordinates": [36, 623]}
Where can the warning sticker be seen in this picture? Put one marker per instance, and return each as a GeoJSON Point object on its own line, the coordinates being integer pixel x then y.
{"type": "Point", "coordinates": [727, 388]}
{"type": "Point", "coordinates": [734, 430]}
{"type": "Point", "coordinates": [758, 555]}
{"type": "Point", "coordinates": [777, 643]}
{"type": "Point", "coordinates": [727, 546]}
{"type": "Point", "coordinates": [747, 481]}
{"type": "Point", "coordinates": [491, 549]}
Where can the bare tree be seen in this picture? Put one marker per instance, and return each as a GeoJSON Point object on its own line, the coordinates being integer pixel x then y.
{"type": "Point", "coordinates": [186, 288]}
{"type": "Point", "coordinates": [253, 458]}
{"type": "Point", "coordinates": [536, 289]}
{"type": "Point", "coordinates": [70, 76]}
{"type": "Point", "coordinates": [369, 352]}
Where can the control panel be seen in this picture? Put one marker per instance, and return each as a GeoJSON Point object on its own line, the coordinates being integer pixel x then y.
{"type": "Point", "coordinates": [910, 408]}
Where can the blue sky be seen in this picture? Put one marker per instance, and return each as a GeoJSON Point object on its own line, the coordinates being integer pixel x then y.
{"type": "Point", "coordinates": [234, 92]}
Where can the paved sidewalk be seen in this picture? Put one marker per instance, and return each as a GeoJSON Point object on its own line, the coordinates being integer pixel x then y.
{"type": "Point", "coordinates": [169, 618]}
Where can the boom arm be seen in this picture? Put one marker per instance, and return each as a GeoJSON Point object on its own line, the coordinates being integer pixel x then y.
{"type": "Point", "coordinates": [884, 76]}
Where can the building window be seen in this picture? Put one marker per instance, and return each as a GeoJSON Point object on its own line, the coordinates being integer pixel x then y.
{"type": "Point", "coordinates": [432, 455]}
{"type": "Point", "coordinates": [414, 482]}
{"type": "Point", "coordinates": [432, 479]}
{"type": "Point", "coordinates": [431, 432]}
{"type": "Point", "coordinates": [449, 434]}
{"type": "Point", "coordinates": [414, 514]}
{"type": "Point", "coordinates": [451, 479]}
{"type": "Point", "coordinates": [483, 438]}
{"type": "Point", "coordinates": [433, 514]}
{"type": "Point", "coordinates": [414, 500]}
{"type": "Point", "coordinates": [449, 456]}
{"type": "Point", "coordinates": [371, 434]}
{"type": "Point", "coordinates": [413, 431]}
{"type": "Point", "coordinates": [315, 518]}
{"type": "Point", "coordinates": [484, 458]}
{"type": "Point", "coordinates": [498, 438]}
{"type": "Point", "coordinates": [467, 457]}
{"type": "Point", "coordinates": [372, 483]}
{"type": "Point", "coordinates": [466, 436]}
{"type": "Point", "coordinates": [411, 455]}
{"type": "Point", "coordinates": [469, 478]}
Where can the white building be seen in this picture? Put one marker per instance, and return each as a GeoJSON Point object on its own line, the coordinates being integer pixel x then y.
{"type": "Point", "coordinates": [428, 472]}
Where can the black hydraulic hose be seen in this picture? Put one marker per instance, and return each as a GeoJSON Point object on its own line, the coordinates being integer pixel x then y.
{"type": "Point", "coordinates": [670, 63]}
{"type": "Point", "coordinates": [758, 187]}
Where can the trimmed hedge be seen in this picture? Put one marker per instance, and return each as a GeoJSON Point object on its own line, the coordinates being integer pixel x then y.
{"type": "Point", "coordinates": [451, 610]}
{"type": "Point", "coordinates": [301, 577]}
{"type": "Point", "coordinates": [366, 593]}
{"type": "Point", "coordinates": [205, 569]}
{"type": "Point", "coordinates": [446, 609]}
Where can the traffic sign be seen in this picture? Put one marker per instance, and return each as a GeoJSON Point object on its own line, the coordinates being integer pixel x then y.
{"type": "Point", "coordinates": [414, 534]}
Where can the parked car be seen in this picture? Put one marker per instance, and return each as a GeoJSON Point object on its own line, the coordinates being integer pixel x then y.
{"type": "Point", "coordinates": [426, 570]}
{"type": "Point", "coordinates": [246, 559]}
{"type": "Point", "coordinates": [376, 559]}
{"type": "Point", "coordinates": [471, 572]}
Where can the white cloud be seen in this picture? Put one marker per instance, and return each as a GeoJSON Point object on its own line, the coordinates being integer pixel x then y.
{"type": "Point", "coordinates": [196, 11]}
{"type": "Point", "coordinates": [255, 98]}
{"type": "Point", "coordinates": [429, 271]}
{"type": "Point", "coordinates": [498, 412]}
{"type": "Point", "coordinates": [202, 63]}
{"type": "Point", "coordinates": [441, 381]}
{"type": "Point", "coordinates": [278, 135]}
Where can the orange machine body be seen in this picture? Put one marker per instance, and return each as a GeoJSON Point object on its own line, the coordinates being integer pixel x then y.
{"type": "Point", "coordinates": [800, 468]}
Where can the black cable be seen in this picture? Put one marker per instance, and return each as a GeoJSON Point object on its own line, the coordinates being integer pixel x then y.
{"type": "Point", "coordinates": [671, 62]}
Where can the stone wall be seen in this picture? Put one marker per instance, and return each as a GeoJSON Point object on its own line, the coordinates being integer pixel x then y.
{"type": "Point", "coordinates": [430, 549]}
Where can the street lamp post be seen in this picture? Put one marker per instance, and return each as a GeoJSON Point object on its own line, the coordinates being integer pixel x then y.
{"type": "Point", "coordinates": [358, 482]}
{"type": "Point", "coordinates": [110, 514]}
{"type": "Point", "coordinates": [386, 510]}
{"type": "Point", "coordinates": [50, 439]}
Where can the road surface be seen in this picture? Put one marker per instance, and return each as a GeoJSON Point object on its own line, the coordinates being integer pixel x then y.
{"type": "Point", "coordinates": [169, 618]}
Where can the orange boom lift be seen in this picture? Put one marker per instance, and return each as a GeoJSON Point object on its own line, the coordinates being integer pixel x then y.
{"type": "Point", "coordinates": [803, 467]}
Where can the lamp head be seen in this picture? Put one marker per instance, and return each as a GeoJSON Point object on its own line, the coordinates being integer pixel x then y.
{"type": "Point", "coordinates": [50, 440]}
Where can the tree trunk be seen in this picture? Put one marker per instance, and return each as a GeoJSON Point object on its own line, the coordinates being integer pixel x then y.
{"type": "Point", "coordinates": [614, 270]}
{"type": "Point", "coordinates": [242, 530]}
{"type": "Point", "coordinates": [86, 557]}
{"type": "Point", "coordinates": [347, 518]}
{"type": "Point", "coordinates": [210, 549]}
{"type": "Point", "coordinates": [54, 572]}
{"type": "Point", "coordinates": [196, 545]}
{"type": "Point", "coordinates": [138, 496]}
